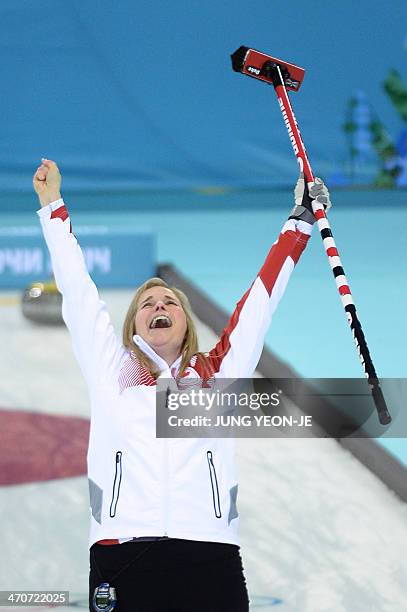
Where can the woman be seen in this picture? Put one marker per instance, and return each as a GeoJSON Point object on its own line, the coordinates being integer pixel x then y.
{"type": "Point", "coordinates": [164, 520]}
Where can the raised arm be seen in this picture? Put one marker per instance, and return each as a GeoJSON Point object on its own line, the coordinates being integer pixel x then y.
{"type": "Point", "coordinates": [95, 343]}
{"type": "Point", "coordinates": [238, 351]}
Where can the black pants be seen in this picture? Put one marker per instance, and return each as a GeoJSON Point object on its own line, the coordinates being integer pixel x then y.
{"type": "Point", "coordinates": [171, 576]}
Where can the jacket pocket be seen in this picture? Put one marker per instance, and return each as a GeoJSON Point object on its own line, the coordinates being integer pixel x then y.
{"type": "Point", "coordinates": [116, 484]}
{"type": "Point", "coordinates": [214, 484]}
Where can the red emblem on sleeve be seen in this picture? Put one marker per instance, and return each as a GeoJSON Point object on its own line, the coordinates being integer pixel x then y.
{"type": "Point", "coordinates": [60, 213]}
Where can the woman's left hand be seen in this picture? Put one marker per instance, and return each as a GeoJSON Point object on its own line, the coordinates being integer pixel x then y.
{"type": "Point", "coordinates": [316, 191]}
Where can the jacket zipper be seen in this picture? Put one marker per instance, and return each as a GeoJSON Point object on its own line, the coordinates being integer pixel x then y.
{"type": "Point", "coordinates": [165, 487]}
{"type": "Point", "coordinates": [116, 484]}
{"type": "Point", "coordinates": [165, 474]}
{"type": "Point", "coordinates": [214, 484]}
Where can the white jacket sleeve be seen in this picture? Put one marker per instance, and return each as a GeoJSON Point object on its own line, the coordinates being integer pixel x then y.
{"type": "Point", "coordinates": [238, 351]}
{"type": "Point", "coordinates": [95, 344]}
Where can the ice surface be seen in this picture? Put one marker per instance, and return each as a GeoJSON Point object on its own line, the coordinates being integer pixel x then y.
{"type": "Point", "coordinates": [319, 532]}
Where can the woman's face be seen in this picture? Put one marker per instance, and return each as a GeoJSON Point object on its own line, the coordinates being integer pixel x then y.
{"type": "Point", "coordinates": [161, 321]}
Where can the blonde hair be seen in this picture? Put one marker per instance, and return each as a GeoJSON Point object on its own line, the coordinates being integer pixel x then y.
{"type": "Point", "coordinates": [189, 346]}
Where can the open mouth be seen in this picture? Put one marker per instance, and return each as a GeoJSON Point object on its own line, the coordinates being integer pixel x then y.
{"type": "Point", "coordinates": [160, 322]}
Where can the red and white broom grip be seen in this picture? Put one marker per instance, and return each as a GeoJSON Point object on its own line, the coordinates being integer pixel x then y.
{"type": "Point", "coordinates": [332, 251]}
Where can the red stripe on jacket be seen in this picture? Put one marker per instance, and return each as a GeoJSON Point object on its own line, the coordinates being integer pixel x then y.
{"type": "Point", "coordinates": [290, 244]}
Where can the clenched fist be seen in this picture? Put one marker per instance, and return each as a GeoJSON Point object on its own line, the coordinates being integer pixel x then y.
{"type": "Point", "coordinates": [47, 182]}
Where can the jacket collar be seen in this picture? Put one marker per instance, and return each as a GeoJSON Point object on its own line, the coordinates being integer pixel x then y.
{"type": "Point", "coordinates": [159, 361]}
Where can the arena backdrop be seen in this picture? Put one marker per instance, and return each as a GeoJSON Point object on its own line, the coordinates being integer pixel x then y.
{"type": "Point", "coordinates": [141, 94]}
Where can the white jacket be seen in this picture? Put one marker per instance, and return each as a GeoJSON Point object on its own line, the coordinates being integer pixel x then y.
{"type": "Point", "coordinates": [141, 485]}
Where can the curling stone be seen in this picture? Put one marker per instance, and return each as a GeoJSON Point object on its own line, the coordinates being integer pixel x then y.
{"type": "Point", "coordinates": [42, 303]}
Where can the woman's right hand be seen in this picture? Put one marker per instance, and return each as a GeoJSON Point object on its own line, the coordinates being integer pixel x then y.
{"type": "Point", "coordinates": [47, 182]}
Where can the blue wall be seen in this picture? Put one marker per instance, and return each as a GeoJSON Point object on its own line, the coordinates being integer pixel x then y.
{"type": "Point", "coordinates": [115, 257]}
{"type": "Point", "coordinates": [142, 95]}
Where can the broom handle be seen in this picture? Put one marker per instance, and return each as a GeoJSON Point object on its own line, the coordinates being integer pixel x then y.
{"type": "Point", "coordinates": [331, 250]}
